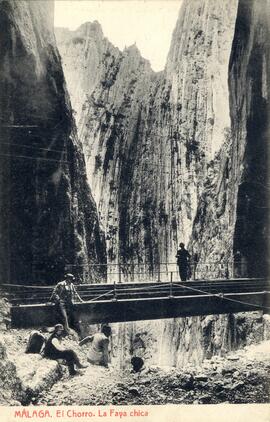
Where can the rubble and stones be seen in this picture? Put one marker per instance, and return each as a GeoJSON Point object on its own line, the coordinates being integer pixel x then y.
{"type": "Point", "coordinates": [156, 385]}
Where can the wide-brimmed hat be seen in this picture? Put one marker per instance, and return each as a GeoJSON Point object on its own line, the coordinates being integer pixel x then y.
{"type": "Point", "coordinates": [58, 327]}
{"type": "Point", "coordinates": [69, 275]}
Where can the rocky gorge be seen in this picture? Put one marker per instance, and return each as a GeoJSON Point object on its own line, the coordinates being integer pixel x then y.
{"type": "Point", "coordinates": [172, 156]}
{"type": "Point", "coordinates": [238, 377]}
{"type": "Point", "coordinates": [48, 216]}
{"type": "Point", "coordinates": [104, 160]}
{"type": "Point", "coordinates": [149, 137]}
{"type": "Point", "coordinates": [163, 161]}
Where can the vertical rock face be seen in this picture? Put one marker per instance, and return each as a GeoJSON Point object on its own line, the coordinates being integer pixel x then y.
{"type": "Point", "coordinates": [110, 120]}
{"type": "Point", "coordinates": [149, 137]}
{"type": "Point", "coordinates": [82, 51]}
{"type": "Point", "coordinates": [47, 214]}
{"type": "Point", "coordinates": [250, 112]}
{"type": "Point", "coordinates": [171, 155]}
{"type": "Point", "coordinates": [232, 219]}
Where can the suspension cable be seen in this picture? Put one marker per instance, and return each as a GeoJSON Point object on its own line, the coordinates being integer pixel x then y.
{"type": "Point", "coordinates": [221, 296]}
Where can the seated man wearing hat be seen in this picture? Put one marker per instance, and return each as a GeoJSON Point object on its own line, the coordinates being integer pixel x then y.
{"type": "Point", "coordinates": [64, 294]}
{"type": "Point", "coordinates": [54, 350]}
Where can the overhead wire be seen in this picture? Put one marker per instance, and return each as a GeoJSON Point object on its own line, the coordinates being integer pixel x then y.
{"type": "Point", "coordinates": [31, 147]}
{"type": "Point", "coordinates": [104, 294]}
{"type": "Point", "coordinates": [25, 157]}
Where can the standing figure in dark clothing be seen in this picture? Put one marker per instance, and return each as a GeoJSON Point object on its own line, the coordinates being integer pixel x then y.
{"type": "Point", "coordinates": [54, 350]}
{"type": "Point", "coordinates": [183, 262]}
{"type": "Point", "coordinates": [64, 295]}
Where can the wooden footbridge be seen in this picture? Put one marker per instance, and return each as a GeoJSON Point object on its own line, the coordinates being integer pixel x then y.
{"type": "Point", "coordinates": [141, 301]}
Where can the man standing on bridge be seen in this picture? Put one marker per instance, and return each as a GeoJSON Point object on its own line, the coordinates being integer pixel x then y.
{"type": "Point", "coordinates": [183, 262]}
{"type": "Point", "coordinates": [64, 295]}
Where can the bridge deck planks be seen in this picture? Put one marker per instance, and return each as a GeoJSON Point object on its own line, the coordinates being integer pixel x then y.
{"type": "Point", "coordinates": [91, 292]}
{"type": "Point", "coordinates": [151, 303]}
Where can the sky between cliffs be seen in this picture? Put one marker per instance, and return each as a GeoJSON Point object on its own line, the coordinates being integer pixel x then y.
{"type": "Point", "coordinates": [148, 23]}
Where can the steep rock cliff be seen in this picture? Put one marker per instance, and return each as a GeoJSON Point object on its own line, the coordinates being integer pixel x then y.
{"type": "Point", "coordinates": [233, 219]}
{"type": "Point", "coordinates": [149, 137]}
{"type": "Point", "coordinates": [250, 112]}
{"type": "Point", "coordinates": [109, 120]}
{"type": "Point", "coordinates": [48, 218]}
{"type": "Point", "coordinates": [164, 165]}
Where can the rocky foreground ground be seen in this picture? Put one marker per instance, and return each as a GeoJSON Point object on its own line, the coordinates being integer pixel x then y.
{"type": "Point", "coordinates": [241, 377]}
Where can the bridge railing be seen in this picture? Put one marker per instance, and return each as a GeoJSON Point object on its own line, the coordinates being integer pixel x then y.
{"type": "Point", "coordinates": [166, 271]}
{"type": "Point", "coordinates": [30, 295]}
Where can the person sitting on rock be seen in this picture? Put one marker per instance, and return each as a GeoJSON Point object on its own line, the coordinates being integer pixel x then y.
{"type": "Point", "coordinates": [99, 347]}
{"type": "Point", "coordinates": [54, 350]}
{"type": "Point", "coordinates": [64, 295]}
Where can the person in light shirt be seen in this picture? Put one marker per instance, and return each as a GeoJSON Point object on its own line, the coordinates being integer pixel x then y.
{"type": "Point", "coordinates": [99, 348]}
{"type": "Point", "coordinates": [55, 350]}
{"type": "Point", "coordinates": [64, 295]}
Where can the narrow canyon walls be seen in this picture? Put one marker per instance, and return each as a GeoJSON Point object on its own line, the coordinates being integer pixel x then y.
{"type": "Point", "coordinates": [232, 221]}
{"type": "Point", "coordinates": [171, 155]}
{"type": "Point", "coordinates": [48, 218]}
{"type": "Point", "coordinates": [148, 137]}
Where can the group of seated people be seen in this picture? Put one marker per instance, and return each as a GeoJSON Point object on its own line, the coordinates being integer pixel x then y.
{"type": "Point", "coordinates": [64, 296]}
{"type": "Point", "coordinates": [52, 348]}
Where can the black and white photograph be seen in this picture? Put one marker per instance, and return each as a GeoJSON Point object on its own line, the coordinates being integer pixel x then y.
{"type": "Point", "coordinates": [134, 210]}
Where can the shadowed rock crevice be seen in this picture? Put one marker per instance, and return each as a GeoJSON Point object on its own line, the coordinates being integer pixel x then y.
{"type": "Point", "coordinates": [232, 221]}
{"type": "Point", "coordinates": [184, 173]}
{"type": "Point", "coordinates": [250, 111]}
{"type": "Point", "coordinates": [151, 174]}
{"type": "Point", "coordinates": [48, 215]}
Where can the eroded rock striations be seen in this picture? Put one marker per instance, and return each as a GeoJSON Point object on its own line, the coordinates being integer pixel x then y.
{"type": "Point", "coordinates": [232, 218]}
{"type": "Point", "coordinates": [48, 215]}
{"type": "Point", "coordinates": [172, 155]}
{"type": "Point", "coordinates": [148, 137]}
{"type": "Point", "coordinates": [109, 120]}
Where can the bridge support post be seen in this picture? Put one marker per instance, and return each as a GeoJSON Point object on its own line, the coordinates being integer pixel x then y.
{"type": "Point", "coordinates": [158, 273]}
{"type": "Point", "coordinates": [227, 275]}
{"type": "Point", "coordinates": [171, 285]}
{"type": "Point", "coordinates": [194, 270]}
{"type": "Point", "coordinates": [114, 292]}
{"type": "Point", "coordinates": [119, 275]}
